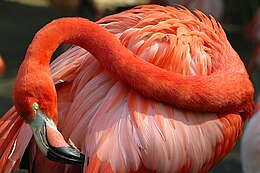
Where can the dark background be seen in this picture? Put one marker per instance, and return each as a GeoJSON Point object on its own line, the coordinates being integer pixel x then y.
{"type": "Point", "coordinates": [19, 22]}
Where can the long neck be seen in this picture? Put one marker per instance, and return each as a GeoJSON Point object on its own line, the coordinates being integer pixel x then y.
{"type": "Point", "coordinates": [225, 91]}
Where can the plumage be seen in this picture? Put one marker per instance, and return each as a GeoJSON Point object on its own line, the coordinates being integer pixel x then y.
{"type": "Point", "coordinates": [120, 129]}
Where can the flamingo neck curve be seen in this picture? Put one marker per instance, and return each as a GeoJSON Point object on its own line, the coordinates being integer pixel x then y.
{"type": "Point", "coordinates": [227, 90]}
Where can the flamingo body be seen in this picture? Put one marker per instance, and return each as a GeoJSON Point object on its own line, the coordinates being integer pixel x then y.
{"type": "Point", "coordinates": [121, 130]}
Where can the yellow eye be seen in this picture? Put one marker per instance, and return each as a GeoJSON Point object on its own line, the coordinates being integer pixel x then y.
{"type": "Point", "coordinates": [35, 106]}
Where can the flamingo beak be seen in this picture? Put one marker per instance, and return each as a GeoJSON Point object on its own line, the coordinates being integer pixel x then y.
{"type": "Point", "coordinates": [51, 142]}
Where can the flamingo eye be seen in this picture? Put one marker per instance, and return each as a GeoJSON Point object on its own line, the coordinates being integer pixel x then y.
{"type": "Point", "coordinates": [35, 106]}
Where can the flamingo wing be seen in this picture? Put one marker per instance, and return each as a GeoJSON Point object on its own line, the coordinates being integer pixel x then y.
{"type": "Point", "coordinates": [15, 136]}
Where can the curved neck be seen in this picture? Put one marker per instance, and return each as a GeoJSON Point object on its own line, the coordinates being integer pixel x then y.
{"type": "Point", "coordinates": [225, 91]}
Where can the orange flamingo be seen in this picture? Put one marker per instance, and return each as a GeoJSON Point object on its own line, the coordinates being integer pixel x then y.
{"type": "Point", "coordinates": [162, 91]}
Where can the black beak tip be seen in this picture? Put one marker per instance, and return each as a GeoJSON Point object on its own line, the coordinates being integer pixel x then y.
{"type": "Point", "coordinates": [67, 155]}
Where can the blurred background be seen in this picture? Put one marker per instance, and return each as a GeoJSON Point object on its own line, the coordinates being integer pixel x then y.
{"type": "Point", "coordinates": [21, 19]}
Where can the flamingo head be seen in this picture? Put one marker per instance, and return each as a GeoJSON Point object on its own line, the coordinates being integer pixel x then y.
{"type": "Point", "coordinates": [35, 100]}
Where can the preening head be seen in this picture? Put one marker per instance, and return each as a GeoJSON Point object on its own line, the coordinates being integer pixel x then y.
{"type": "Point", "coordinates": [35, 100]}
{"type": "Point", "coordinates": [34, 86]}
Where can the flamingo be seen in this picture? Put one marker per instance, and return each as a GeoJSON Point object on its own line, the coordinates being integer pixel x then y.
{"type": "Point", "coordinates": [151, 89]}
{"type": "Point", "coordinates": [250, 153]}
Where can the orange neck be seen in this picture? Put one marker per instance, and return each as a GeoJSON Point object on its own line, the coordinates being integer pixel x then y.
{"type": "Point", "coordinates": [227, 90]}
